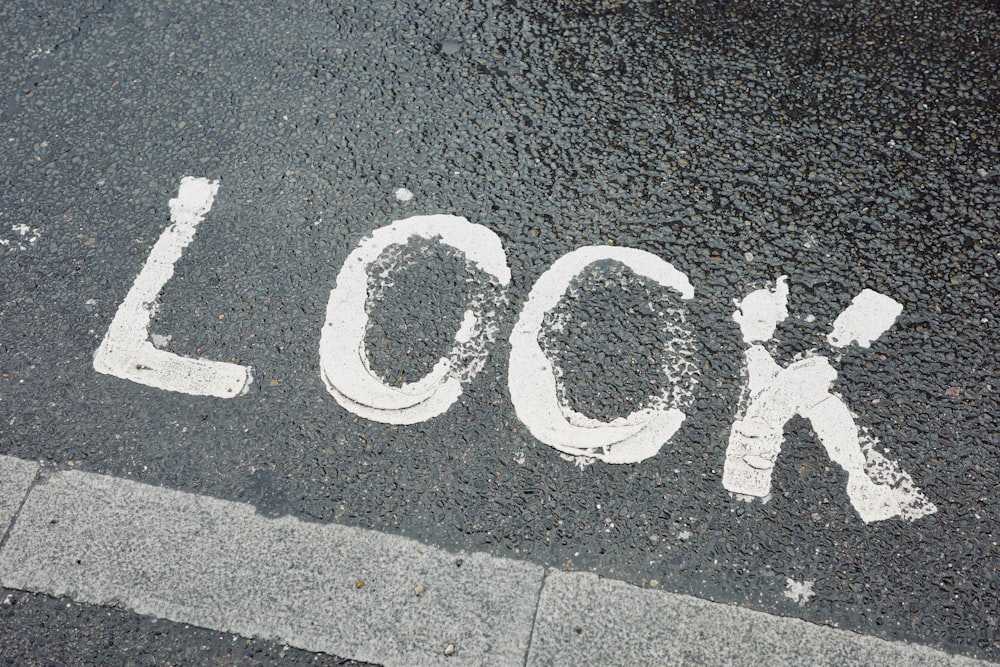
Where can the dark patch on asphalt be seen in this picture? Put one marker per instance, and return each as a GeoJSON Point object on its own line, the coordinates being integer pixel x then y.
{"type": "Point", "coordinates": [411, 326]}
{"type": "Point", "coordinates": [618, 342]}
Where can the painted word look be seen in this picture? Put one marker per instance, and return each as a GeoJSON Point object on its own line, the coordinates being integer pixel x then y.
{"type": "Point", "coordinates": [878, 489]}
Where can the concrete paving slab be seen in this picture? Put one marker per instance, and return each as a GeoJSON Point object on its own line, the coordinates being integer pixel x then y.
{"type": "Point", "coordinates": [16, 476]}
{"type": "Point", "coordinates": [586, 620]}
{"type": "Point", "coordinates": [218, 564]}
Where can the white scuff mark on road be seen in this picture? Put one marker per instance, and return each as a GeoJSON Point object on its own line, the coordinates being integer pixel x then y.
{"type": "Point", "coordinates": [24, 237]}
{"type": "Point", "coordinates": [126, 351]}
{"type": "Point", "coordinates": [877, 487]}
{"type": "Point", "coordinates": [403, 195]}
{"type": "Point", "coordinates": [869, 316]}
{"type": "Point", "coordinates": [344, 363]}
{"type": "Point", "coordinates": [581, 462]}
{"type": "Point", "coordinates": [535, 384]}
{"type": "Point", "coordinates": [799, 592]}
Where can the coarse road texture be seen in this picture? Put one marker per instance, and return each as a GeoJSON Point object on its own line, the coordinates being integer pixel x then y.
{"type": "Point", "coordinates": [847, 145]}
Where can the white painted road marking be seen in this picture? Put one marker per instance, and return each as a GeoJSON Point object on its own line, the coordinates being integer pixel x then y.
{"type": "Point", "coordinates": [876, 485]}
{"type": "Point", "coordinates": [217, 564]}
{"type": "Point", "coordinates": [878, 489]}
{"type": "Point", "coordinates": [533, 382]}
{"type": "Point", "coordinates": [126, 351]}
{"type": "Point", "coordinates": [342, 355]}
{"type": "Point", "coordinates": [869, 316]}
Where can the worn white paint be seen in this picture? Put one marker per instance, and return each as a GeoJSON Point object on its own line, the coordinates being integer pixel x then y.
{"type": "Point", "coordinates": [25, 238]}
{"type": "Point", "coordinates": [534, 383]}
{"type": "Point", "coordinates": [760, 312]}
{"type": "Point", "coordinates": [799, 592]}
{"type": "Point", "coordinates": [869, 316]}
{"type": "Point", "coordinates": [344, 364]}
{"type": "Point", "coordinates": [126, 351]}
{"type": "Point", "coordinates": [876, 486]}
{"type": "Point", "coordinates": [403, 195]}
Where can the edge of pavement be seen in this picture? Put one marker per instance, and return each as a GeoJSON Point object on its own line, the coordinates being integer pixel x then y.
{"type": "Point", "coordinates": [370, 596]}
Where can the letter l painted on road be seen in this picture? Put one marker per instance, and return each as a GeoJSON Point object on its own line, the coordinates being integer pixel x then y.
{"type": "Point", "coordinates": [126, 351]}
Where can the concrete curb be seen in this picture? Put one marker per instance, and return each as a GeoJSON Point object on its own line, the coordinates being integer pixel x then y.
{"type": "Point", "coordinates": [370, 596]}
{"type": "Point", "coordinates": [586, 620]}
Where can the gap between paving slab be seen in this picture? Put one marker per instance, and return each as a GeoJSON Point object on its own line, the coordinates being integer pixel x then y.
{"type": "Point", "coordinates": [352, 592]}
{"type": "Point", "coordinates": [16, 476]}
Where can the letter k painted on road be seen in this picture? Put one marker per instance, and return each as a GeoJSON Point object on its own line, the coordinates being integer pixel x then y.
{"type": "Point", "coordinates": [877, 487]}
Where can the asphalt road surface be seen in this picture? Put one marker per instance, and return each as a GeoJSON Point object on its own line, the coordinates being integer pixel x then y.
{"type": "Point", "coordinates": [771, 383]}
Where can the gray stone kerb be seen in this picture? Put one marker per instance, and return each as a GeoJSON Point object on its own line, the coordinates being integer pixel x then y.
{"type": "Point", "coordinates": [371, 596]}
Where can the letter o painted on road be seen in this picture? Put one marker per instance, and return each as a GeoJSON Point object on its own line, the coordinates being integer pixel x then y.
{"type": "Point", "coordinates": [344, 363]}
{"type": "Point", "coordinates": [533, 384]}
